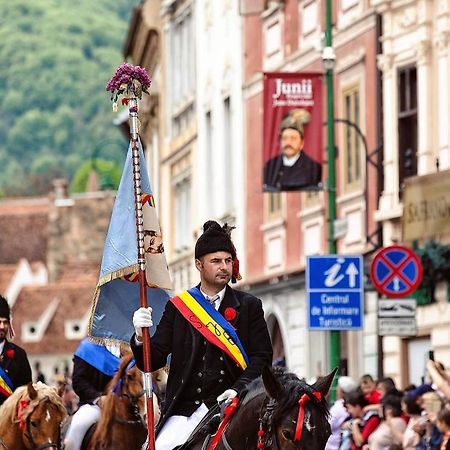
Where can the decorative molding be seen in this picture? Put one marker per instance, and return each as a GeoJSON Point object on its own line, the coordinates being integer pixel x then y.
{"type": "Point", "coordinates": [350, 60]}
{"type": "Point", "coordinates": [423, 52]}
{"type": "Point", "coordinates": [385, 62]}
{"type": "Point", "coordinates": [406, 18]}
{"type": "Point", "coordinates": [441, 42]}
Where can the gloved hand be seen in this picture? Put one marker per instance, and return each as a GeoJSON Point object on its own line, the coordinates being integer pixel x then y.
{"type": "Point", "coordinates": [142, 318]}
{"type": "Point", "coordinates": [226, 396]}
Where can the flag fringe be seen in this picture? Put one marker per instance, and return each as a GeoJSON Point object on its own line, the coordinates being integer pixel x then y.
{"type": "Point", "coordinates": [117, 274]}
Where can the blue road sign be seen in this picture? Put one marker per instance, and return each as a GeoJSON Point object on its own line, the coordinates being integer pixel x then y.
{"type": "Point", "coordinates": [396, 271]}
{"type": "Point", "coordinates": [335, 292]}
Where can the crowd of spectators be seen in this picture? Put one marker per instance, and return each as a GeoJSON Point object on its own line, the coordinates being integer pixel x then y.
{"type": "Point", "coordinates": [376, 415]}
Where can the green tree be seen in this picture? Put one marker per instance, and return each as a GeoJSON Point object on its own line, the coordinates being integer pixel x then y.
{"type": "Point", "coordinates": [55, 60]}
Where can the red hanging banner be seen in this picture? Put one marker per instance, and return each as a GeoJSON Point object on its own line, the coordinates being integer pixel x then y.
{"type": "Point", "coordinates": [293, 130]}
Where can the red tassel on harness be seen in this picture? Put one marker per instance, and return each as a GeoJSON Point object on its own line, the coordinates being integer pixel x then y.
{"type": "Point", "coordinates": [22, 407]}
{"type": "Point", "coordinates": [228, 413]}
{"type": "Point", "coordinates": [301, 413]}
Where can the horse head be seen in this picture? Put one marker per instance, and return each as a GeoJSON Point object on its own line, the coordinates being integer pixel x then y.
{"type": "Point", "coordinates": [40, 413]}
{"type": "Point", "coordinates": [123, 408]}
{"type": "Point", "coordinates": [295, 416]}
{"type": "Point", "coordinates": [128, 386]}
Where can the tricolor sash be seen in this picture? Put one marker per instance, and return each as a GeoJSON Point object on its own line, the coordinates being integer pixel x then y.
{"type": "Point", "coordinates": [6, 385]}
{"type": "Point", "coordinates": [211, 324]}
{"type": "Point", "coordinates": [98, 356]}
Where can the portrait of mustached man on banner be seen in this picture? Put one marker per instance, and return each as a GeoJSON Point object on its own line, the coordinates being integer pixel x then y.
{"type": "Point", "coordinates": [292, 132]}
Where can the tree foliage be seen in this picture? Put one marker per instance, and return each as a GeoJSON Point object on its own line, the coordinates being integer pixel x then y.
{"type": "Point", "coordinates": [55, 60]}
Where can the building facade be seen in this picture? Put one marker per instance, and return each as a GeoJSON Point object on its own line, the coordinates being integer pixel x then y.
{"type": "Point", "coordinates": [198, 153]}
{"type": "Point", "coordinates": [391, 104]}
{"type": "Point", "coordinates": [284, 228]}
{"type": "Point", "coordinates": [414, 205]}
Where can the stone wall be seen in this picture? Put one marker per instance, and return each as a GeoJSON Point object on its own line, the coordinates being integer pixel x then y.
{"type": "Point", "coordinates": [77, 227]}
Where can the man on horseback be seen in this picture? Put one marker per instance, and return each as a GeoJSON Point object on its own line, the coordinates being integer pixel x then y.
{"type": "Point", "coordinates": [15, 369]}
{"type": "Point", "coordinates": [93, 368]}
{"type": "Point", "coordinates": [217, 338]}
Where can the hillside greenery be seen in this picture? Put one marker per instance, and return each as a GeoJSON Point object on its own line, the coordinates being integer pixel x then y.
{"type": "Point", "coordinates": [56, 57]}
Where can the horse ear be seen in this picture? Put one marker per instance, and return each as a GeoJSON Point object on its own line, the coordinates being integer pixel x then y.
{"type": "Point", "coordinates": [32, 393]}
{"type": "Point", "coordinates": [61, 389]}
{"type": "Point", "coordinates": [272, 385]}
{"type": "Point", "coordinates": [323, 384]}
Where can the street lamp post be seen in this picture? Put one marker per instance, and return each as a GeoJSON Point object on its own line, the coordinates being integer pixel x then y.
{"type": "Point", "coordinates": [328, 58]}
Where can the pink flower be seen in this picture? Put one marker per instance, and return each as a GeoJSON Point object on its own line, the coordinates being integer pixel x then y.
{"type": "Point", "coordinates": [230, 314]}
{"type": "Point", "coordinates": [10, 353]}
{"type": "Point", "coordinates": [128, 80]}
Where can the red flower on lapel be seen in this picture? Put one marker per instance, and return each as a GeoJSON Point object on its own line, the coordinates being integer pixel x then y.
{"type": "Point", "coordinates": [230, 314]}
{"type": "Point", "coordinates": [10, 353]}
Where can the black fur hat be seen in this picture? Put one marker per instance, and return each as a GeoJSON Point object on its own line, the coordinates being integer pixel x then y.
{"type": "Point", "coordinates": [4, 308]}
{"type": "Point", "coordinates": [214, 239]}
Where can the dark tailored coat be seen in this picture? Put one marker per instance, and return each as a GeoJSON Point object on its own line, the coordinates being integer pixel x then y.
{"type": "Point", "coordinates": [16, 367]}
{"type": "Point", "coordinates": [87, 381]}
{"type": "Point", "coordinates": [305, 172]}
{"type": "Point", "coordinates": [175, 336]}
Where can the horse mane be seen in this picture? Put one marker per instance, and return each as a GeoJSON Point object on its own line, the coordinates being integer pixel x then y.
{"type": "Point", "coordinates": [293, 389]}
{"type": "Point", "coordinates": [103, 431]}
{"type": "Point", "coordinates": [8, 410]}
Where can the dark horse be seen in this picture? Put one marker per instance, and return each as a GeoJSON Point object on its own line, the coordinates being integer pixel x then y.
{"type": "Point", "coordinates": [279, 412]}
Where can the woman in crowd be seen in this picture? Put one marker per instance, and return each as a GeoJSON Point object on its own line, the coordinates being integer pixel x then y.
{"type": "Point", "coordinates": [413, 410]}
{"type": "Point", "coordinates": [390, 431]}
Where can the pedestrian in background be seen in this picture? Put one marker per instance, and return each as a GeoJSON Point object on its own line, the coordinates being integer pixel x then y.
{"type": "Point", "coordinates": [339, 413]}
{"type": "Point", "coordinates": [39, 375]}
{"type": "Point", "coordinates": [15, 368]}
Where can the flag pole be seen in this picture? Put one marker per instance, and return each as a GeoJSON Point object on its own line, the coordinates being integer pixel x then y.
{"type": "Point", "coordinates": [134, 133]}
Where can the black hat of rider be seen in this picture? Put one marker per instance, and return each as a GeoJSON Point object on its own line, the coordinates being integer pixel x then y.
{"type": "Point", "coordinates": [214, 239]}
{"type": "Point", "coordinates": [4, 308]}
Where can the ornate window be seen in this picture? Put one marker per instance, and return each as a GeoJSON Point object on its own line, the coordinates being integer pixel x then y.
{"type": "Point", "coordinates": [352, 145]}
{"type": "Point", "coordinates": [407, 123]}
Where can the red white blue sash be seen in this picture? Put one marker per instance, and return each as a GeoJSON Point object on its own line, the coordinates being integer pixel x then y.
{"type": "Point", "coordinates": [6, 385]}
{"type": "Point", "coordinates": [211, 324]}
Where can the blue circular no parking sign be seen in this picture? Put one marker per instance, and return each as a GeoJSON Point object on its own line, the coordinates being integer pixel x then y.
{"type": "Point", "coordinates": [396, 271]}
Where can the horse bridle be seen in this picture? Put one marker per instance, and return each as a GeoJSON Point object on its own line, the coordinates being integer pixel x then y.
{"type": "Point", "coordinates": [134, 399]}
{"type": "Point", "coordinates": [26, 430]}
{"type": "Point", "coordinates": [267, 437]}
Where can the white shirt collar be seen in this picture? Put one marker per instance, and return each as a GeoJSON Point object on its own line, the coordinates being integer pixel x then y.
{"type": "Point", "coordinates": [2, 346]}
{"type": "Point", "coordinates": [221, 295]}
{"type": "Point", "coordinates": [290, 161]}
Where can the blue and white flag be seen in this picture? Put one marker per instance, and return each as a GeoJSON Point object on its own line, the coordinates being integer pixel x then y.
{"type": "Point", "coordinates": [117, 294]}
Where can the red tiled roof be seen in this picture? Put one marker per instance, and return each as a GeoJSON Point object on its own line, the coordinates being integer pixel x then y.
{"type": "Point", "coordinates": [75, 300]}
{"type": "Point", "coordinates": [23, 229]}
{"type": "Point", "coordinates": [7, 271]}
{"type": "Point", "coordinates": [76, 271]}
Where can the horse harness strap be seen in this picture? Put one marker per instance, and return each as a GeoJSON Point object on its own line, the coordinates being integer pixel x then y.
{"type": "Point", "coordinates": [2, 443]}
{"type": "Point", "coordinates": [265, 432]}
{"type": "Point", "coordinates": [305, 398]}
{"type": "Point", "coordinates": [266, 435]}
{"type": "Point", "coordinates": [122, 383]}
{"type": "Point", "coordinates": [228, 414]}
{"type": "Point", "coordinates": [24, 425]}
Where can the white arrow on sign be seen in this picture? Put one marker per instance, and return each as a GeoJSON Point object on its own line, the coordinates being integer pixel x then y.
{"type": "Point", "coordinates": [352, 272]}
{"type": "Point", "coordinates": [396, 282]}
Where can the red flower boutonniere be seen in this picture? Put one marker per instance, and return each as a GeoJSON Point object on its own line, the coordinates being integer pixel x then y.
{"type": "Point", "coordinates": [10, 353]}
{"type": "Point", "coordinates": [230, 314]}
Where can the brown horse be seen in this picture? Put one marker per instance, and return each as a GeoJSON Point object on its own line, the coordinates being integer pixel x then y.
{"type": "Point", "coordinates": [122, 424]}
{"type": "Point", "coordinates": [31, 417]}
